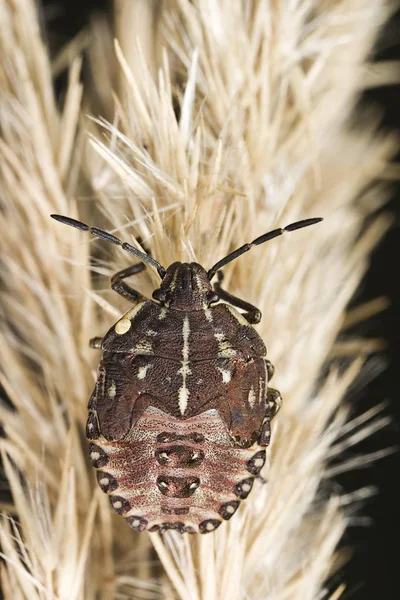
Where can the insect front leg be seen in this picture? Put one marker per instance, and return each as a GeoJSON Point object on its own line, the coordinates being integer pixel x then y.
{"type": "Point", "coordinates": [122, 288]}
{"type": "Point", "coordinates": [125, 290]}
{"type": "Point", "coordinates": [272, 405]}
{"type": "Point", "coordinates": [252, 314]}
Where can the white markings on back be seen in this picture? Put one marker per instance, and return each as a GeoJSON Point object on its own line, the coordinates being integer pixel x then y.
{"type": "Point", "coordinates": [261, 390]}
{"type": "Point", "coordinates": [122, 326]}
{"type": "Point", "coordinates": [135, 523]}
{"type": "Point", "coordinates": [143, 347]}
{"type": "Point", "coordinates": [185, 334]}
{"type": "Point", "coordinates": [134, 311]}
{"type": "Point", "coordinates": [185, 369]}
{"type": "Point", "coordinates": [224, 347]}
{"type": "Point", "coordinates": [163, 313]}
{"type": "Point", "coordinates": [183, 394]}
{"type": "Point", "coordinates": [183, 397]}
{"type": "Point", "coordinates": [208, 314]}
{"type": "Point", "coordinates": [251, 397]}
{"type": "Point", "coordinates": [172, 285]}
{"type": "Point", "coordinates": [112, 390]}
{"type": "Point", "coordinates": [142, 371]}
{"type": "Point", "coordinates": [202, 289]}
{"type": "Point", "coordinates": [226, 375]}
{"type": "Point", "coordinates": [239, 317]}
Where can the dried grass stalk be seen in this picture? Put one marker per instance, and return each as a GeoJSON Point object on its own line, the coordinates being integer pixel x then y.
{"type": "Point", "coordinates": [264, 91]}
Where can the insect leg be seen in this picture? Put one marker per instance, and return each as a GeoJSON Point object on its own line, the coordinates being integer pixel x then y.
{"type": "Point", "coordinates": [274, 401]}
{"type": "Point", "coordinates": [122, 288]}
{"type": "Point", "coordinates": [252, 314]}
{"type": "Point", "coordinates": [270, 369]}
{"type": "Point", "coordinates": [273, 404]}
{"type": "Point", "coordinates": [95, 342]}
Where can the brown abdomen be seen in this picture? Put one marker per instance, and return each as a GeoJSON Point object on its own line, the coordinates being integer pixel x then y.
{"type": "Point", "coordinates": [178, 474]}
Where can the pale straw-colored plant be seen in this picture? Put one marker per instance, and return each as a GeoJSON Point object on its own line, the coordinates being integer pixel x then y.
{"type": "Point", "coordinates": [205, 124]}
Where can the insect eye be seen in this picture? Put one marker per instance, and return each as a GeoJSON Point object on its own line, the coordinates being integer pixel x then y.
{"type": "Point", "coordinates": [159, 295]}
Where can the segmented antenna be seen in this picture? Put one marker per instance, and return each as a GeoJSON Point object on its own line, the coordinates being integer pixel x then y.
{"type": "Point", "coordinates": [260, 240]}
{"type": "Point", "coordinates": [108, 237]}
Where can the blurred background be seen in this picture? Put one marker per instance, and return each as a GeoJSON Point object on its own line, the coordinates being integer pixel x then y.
{"type": "Point", "coordinates": [373, 570]}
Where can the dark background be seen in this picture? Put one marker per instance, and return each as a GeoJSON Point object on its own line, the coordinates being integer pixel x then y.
{"type": "Point", "coordinates": [373, 571]}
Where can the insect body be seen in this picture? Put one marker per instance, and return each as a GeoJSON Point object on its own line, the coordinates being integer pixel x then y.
{"type": "Point", "coordinates": [180, 416]}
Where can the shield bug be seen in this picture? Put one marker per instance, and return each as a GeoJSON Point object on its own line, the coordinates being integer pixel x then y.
{"type": "Point", "coordinates": [179, 419]}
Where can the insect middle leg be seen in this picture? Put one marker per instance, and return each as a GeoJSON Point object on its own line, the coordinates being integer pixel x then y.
{"type": "Point", "coordinates": [123, 289]}
{"type": "Point", "coordinates": [252, 314]}
{"type": "Point", "coordinates": [95, 342]}
{"type": "Point", "coordinates": [274, 401]}
{"type": "Point", "coordinates": [272, 405]}
{"type": "Point", "coordinates": [270, 369]}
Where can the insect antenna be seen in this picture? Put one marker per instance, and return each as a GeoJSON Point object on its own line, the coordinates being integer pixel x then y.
{"type": "Point", "coordinates": [260, 240]}
{"type": "Point", "coordinates": [108, 237]}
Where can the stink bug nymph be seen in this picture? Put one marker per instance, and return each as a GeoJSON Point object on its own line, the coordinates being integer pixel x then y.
{"type": "Point", "coordinates": [180, 416]}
